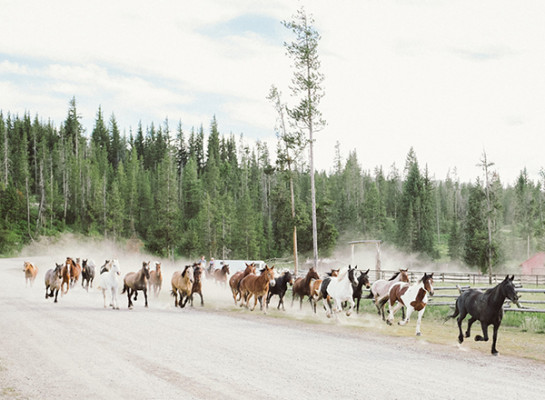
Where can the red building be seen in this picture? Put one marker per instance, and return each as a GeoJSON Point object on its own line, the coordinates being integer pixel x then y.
{"type": "Point", "coordinates": [535, 265]}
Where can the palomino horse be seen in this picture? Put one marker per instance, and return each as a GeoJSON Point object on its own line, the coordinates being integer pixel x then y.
{"type": "Point", "coordinates": [340, 289]}
{"type": "Point", "coordinates": [363, 279]}
{"type": "Point", "coordinates": [381, 288]}
{"type": "Point", "coordinates": [280, 288]}
{"type": "Point", "coordinates": [75, 270]}
{"type": "Point", "coordinates": [65, 277]}
{"type": "Point", "coordinates": [156, 279]}
{"type": "Point", "coordinates": [135, 281]}
{"type": "Point", "coordinates": [182, 284]}
{"type": "Point", "coordinates": [413, 297]}
{"type": "Point", "coordinates": [485, 307]}
{"type": "Point", "coordinates": [197, 283]}
{"type": "Point", "coordinates": [221, 275]}
{"type": "Point", "coordinates": [109, 281]}
{"type": "Point", "coordinates": [53, 281]}
{"type": "Point", "coordinates": [30, 273]}
{"type": "Point", "coordinates": [257, 286]}
{"type": "Point", "coordinates": [87, 273]}
{"type": "Point", "coordinates": [234, 281]}
{"type": "Point", "coordinates": [301, 286]}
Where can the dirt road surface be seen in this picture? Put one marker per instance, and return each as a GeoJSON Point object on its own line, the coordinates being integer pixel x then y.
{"type": "Point", "coordinates": [76, 349]}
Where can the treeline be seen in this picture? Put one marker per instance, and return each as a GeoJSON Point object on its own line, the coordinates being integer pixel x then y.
{"type": "Point", "coordinates": [184, 195]}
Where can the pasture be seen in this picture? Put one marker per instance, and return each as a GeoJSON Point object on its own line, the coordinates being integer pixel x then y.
{"type": "Point", "coordinates": [224, 351]}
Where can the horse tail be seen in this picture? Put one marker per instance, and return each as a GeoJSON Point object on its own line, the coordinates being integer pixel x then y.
{"type": "Point", "coordinates": [370, 295]}
{"type": "Point", "coordinates": [124, 288]}
{"type": "Point", "coordinates": [456, 313]}
{"type": "Point", "coordinates": [173, 293]}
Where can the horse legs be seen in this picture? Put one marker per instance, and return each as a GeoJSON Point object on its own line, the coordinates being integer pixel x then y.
{"type": "Point", "coordinates": [494, 338]}
{"type": "Point", "coordinates": [404, 321]}
{"type": "Point", "coordinates": [129, 294]}
{"type": "Point", "coordinates": [281, 301]}
{"type": "Point", "coordinates": [146, 296]}
{"type": "Point", "coordinates": [114, 299]}
{"type": "Point", "coordinates": [103, 295]}
{"type": "Point", "coordinates": [202, 301]}
{"type": "Point", "coordinates": [483, 338]}
{"type": "Point", "coordinates": [392, 309]}
{"type": "Point", "coordinates": [469, 323]}
{"type": "Point", "coordinates": [418, 321]}
{"type": "Point", "coordinates": [57, 293]}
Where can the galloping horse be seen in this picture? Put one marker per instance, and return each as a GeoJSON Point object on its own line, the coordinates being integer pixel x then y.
{"type": "Point", "coordinates": [30, 272]}
{"type": "Point", "coordinates": [257, 286]}
{"type": "Point", "coordinates": [135, 281]}
{"type": "Point", "coordinates": [234, 281]}
{"type": "Point", "coordinates": [381, 288]}
{"type": "Point", "coordinates": [75, 270]}
{"type": "Point", "coordinates": [340, 289]}
{"type": "Point", "coordinates": [156, 279]}
{"type": "Point", "coordinates": [197, 283]}
{"type": "Point", "coordinates": [53, 281]}
{"type": "Point", "coordinates": [363, 279]}
{"type": "Point", "coordinates": [413, 297]}
{"type": "Point", "coordinates": [108, 281]}
{"type": "Point", "coordinates": [220, 275]}
{"type": "Point", "coordinates": [65, 277]}
{"type": "Point", "coordinates": [301, 286]}
{"type": "Point", "coordinates": [316, 286]}
{"type": "Point", "coordinates": [485, 307]}
{"type": "Point", "coordinates": [182, 283]}
{"type": "Point", "coordinates": [280, 288]}
{"type": "Point", "coordinates": [87, 273]}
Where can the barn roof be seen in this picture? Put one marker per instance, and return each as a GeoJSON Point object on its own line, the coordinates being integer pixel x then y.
{"type": "Point", "coordinates": [534, 263]}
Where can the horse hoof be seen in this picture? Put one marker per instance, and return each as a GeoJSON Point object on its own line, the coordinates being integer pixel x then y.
{"type": "Point", "coordinates": [389, 322]}
{"type": "Point", "coordinates": [495, 353]}
{"type": "Point", "coordinates": [418, 334]}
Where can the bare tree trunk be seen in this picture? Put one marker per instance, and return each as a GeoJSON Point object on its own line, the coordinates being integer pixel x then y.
{"type": "Point", "coordinates": [292, 194]}
{"type": "Point", "coordinates": [313, 200]}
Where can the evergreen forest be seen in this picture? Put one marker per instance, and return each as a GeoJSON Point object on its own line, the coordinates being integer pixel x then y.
{"type": "Point", "coordinates": [184, 193]}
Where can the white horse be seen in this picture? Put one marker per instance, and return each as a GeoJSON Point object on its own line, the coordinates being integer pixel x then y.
{"type": "Point", "coordinates": [413, 297]}
{"type": "Point", "coordinates": [340, 290]}
{"type": "Point", "coordinates": [109, 281]}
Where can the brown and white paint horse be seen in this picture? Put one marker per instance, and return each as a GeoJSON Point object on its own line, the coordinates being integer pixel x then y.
{"type": "Point", "coordinates": [413, 297]}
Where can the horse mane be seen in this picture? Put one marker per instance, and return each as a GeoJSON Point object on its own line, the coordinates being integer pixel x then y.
{"type": "Point", "coordinates": [395, 276]}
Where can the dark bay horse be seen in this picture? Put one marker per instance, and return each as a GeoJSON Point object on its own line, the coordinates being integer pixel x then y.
{"type": "Point", "coordinates": [485, 307]}
{"type": "Point", "coordinates": [87, 273]}
{"type": "Point", "coordinates": [53, 281]}
{"type": "Point", "coordinates": [363, 279]}
{"type": "Point", "coordinates": [197, 283]}
{"type": "Point", "coordinates": [135, 281]}
{"type": "Point", "coordinates": [257, 286]}
{"type": "Point", "coordinates": [280, 288]}
{"type": "Point", "coordinates": [301, 286]}
{"type": "Point", "coordinates": [234, 281]}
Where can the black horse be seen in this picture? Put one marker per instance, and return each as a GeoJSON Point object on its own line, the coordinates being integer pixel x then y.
{"type": "Point", "coordinates": [485, 307]}
{"type": "Point", "coordinates": [363, 279]}
{"type": "Point", "coordinates": [280, 288]}
{"type": "Point", "coordinates": [87, 273]}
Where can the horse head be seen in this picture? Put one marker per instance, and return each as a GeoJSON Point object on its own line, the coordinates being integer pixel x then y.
{"type": "Point", "coordinates": [145, 268]}
{"type": "Point", "coordinates": [225, 269]}
{"type": "Point", "coordinates": [115, 267]}
{"type": "Point", "coordinates": [352, 275]}
{"type": "Point", "coordinates": [312, 274]}
{"type": "Point", "coordinates": [288, 277]}
{"type": "Point", "coordinates": [58, 270]}
{"type": "Point", "coordinates": [188, 273]}
{"type": "Point", "coordinates": [509, 290]}
{"type": "Point", "coordinates": [333, 272]}
{"type": "Point", "coordinates": [427, 281]}
{"type": "Point", "coordinates": [269, 274]}
{"type": "Point", "coordinates": [363, 279]}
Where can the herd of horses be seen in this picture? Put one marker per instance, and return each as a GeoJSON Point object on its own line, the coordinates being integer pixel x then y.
{"type": "Point", "coordinates": [340, 290]}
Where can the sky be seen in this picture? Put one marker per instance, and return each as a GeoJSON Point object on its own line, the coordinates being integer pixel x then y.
{"type": "Point", "coordinates": [450, 79]}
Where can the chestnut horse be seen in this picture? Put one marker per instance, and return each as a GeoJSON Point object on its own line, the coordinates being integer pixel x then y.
{"type": "Point", "coordinates": [65, 277]}
{"type": "Point", "coordinates": [53, 281]}
{"type": "Point", "coordinates": [75, 270]}
{"type": "Point", "coordinates": [234, 281]}
{"type": "Point", "coordinates": [182, 284]}
{"type": "Point", "coordinates": [413, 297]}
{"type": "Point", "coordinates": [135, 281]}
{"type": "Point", "coordinates": [257, 286]}
{"type": "Point", "coordinates": [301, 286]}
{"type": "Point", "coordinates": [221, 275]}
{"type": "Point", "coordinates": [156, 279]}
{"type": "Point", "coordinates": [30, 272]}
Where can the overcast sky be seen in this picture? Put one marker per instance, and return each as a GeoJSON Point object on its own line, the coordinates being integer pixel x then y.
{"type": "Point", "coordinates": [449, 78]}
